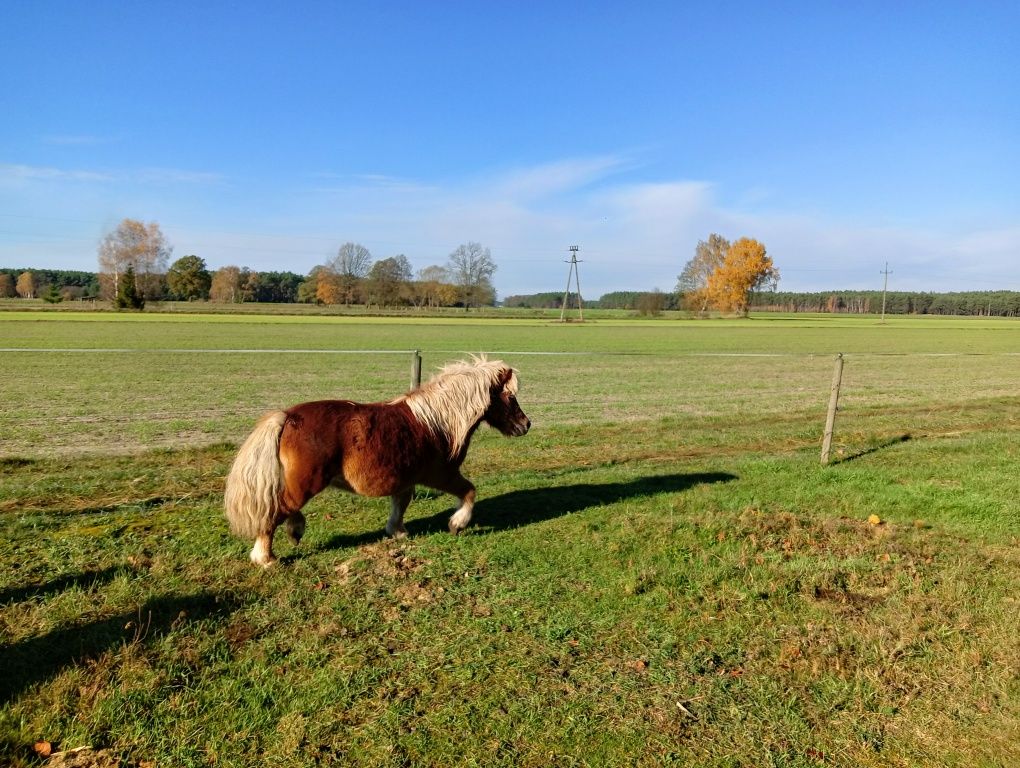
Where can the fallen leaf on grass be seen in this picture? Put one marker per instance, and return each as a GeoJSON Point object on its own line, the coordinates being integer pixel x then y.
{"type": "Point", "coordinates": [43, 748]}
{"type": "Point", "coordinates": [874, 519]}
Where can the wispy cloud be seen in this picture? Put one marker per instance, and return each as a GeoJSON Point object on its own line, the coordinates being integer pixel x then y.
{"type": "Point", "coordinates": [144, 176]}
{"type": "Point", "coordinates": [25, 173]}
{"type": "Point", "coordinates": [173, 176]}
{"type": "Point", "coordinates": [550, 179]}
{"type": "Point", "coordinates": [76, 140]}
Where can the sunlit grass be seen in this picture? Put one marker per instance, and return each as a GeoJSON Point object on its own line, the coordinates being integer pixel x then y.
{"type": "Point", "coordinates": [660, 572]}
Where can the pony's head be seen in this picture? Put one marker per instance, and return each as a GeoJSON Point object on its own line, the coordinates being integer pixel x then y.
{"type": "Point", "coordinates": [504, 412]}
{"type": "Point", "coordinates": [463, 394]}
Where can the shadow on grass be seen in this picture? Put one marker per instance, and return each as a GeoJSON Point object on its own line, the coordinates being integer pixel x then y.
{"type": "Point", "coordinates": [873, 449]}
{"type": "Point", "coordinates": [535, 505]}
{"type": "Point", "coordinates": [140, 505]}
{"type": "Point", "coordinates": [15, 462]}
{"type": "Point", "coordinates": [33, 661]}
{"type": "Point", "coordinates": [87, 580]}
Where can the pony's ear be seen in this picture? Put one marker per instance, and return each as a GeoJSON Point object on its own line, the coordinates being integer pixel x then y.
{"type": "Point", "coordinates": [505, 375]}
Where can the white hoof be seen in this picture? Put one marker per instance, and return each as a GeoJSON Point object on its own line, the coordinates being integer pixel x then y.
{"type": "Point", "coordinates": [396, 533]}
{"type": "Point", "coordinates": [262, 555]}
{"type": "Point", "coordinates": [460, 520]}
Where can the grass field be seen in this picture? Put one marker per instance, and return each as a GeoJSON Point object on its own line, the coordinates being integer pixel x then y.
{"type": "Point", "coordinates": [659, 573]}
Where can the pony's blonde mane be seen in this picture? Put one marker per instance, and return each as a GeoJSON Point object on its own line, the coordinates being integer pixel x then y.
{"type": "Point", "coordinates": [453, 401]}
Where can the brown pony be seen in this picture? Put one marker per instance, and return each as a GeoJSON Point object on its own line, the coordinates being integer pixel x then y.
{"type": "Point", "coordinates": [373, 449]}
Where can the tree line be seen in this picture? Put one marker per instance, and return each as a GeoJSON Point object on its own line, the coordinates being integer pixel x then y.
{"type": "Point", "coordinates": [49, 284]}
{"type": "Point", "coordinates": [643, 302]}
{"type": "Point", "coordinates": [731, 278]}
{"type": "Point", "coordinates": [134, 267]}
{"type": "Point", "coordinates": [977, 303]}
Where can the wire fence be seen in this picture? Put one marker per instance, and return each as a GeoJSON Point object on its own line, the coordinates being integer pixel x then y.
{"type": "Point", "coordinates": [68, 401]}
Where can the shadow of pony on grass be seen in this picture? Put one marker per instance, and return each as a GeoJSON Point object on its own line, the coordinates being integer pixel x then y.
{"type": "Point", "coordinates": [84, 580]}
{"type": "Point", "coordinates": [32, 661]}
{"type": "Point", "coordinates": [535, 505]}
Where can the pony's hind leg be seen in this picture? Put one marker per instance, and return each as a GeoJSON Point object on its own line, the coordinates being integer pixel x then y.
{"type": "Point", "coordinates": [398, 505]}
{"type": "Point", "coordinates": [262, 552]}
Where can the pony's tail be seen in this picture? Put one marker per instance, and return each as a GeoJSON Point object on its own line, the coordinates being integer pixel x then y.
{"type": "Point", "coordinates": [255, 483]}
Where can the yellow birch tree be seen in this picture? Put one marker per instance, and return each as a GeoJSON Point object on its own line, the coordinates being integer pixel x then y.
{"type": "Point", "coordinates": [140, 246]}
{"type": "Point", "coordinates": [692, 284]}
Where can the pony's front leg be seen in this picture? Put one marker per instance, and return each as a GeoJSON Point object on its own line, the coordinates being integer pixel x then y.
{"type": "Point", "coordinates": [295, 525]}
{"type": "Point", "coordinates": [398, 505]}
{"type": "Point", "coordinates": [463, 489]}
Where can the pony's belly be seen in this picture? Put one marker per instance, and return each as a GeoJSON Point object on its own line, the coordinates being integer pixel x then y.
{"type": "Point", "coordinates": [371, 483]}
{"type": "Point", "coordinates": [341, 484]}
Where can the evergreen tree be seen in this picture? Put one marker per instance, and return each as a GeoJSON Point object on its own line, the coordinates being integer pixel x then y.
{"type": "Point", "coordinates": [52, 295]}
{"type": "Point", "coordinates": [127, 292]}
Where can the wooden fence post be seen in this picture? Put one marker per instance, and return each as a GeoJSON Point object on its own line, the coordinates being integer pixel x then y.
{"type": "Point", "coordinates": [830, 417]}
{"type": "Point", "coordinates": [416, 369]}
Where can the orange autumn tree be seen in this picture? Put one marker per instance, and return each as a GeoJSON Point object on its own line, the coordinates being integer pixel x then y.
{"type": "Point", "coordinates": [746, 268]}
{"type": "Point", "coordinates": [328, 287]}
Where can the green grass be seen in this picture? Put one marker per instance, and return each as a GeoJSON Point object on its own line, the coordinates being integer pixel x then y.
{"type": "Point", "coordinates": [659, 573]}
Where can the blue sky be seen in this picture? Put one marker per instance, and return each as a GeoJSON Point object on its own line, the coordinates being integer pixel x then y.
{"type": "Point", "coordinates": [842, 135]}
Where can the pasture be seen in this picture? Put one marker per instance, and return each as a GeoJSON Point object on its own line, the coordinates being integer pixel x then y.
{"type": "Point", "coordinates": [659, 573]}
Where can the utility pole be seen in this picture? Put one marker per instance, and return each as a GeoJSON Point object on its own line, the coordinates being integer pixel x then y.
{"type": "Point", "coordinates": [885, 285]}
{"type": "Point", "coordinates": [574, 272]}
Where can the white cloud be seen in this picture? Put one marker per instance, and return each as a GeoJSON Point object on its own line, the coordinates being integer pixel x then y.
{"type": "Point", "coordinates": [815, 253]}
{"type": "Point", "coordinates": [633, 234]}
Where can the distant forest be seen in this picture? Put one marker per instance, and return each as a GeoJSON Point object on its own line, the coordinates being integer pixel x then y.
{"type": "Point", "coordinates": [286, 287]}
{"type": "Point", "coordinates": [994, 303]}
{"type": "Point", "coordinates": [986, 303]}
